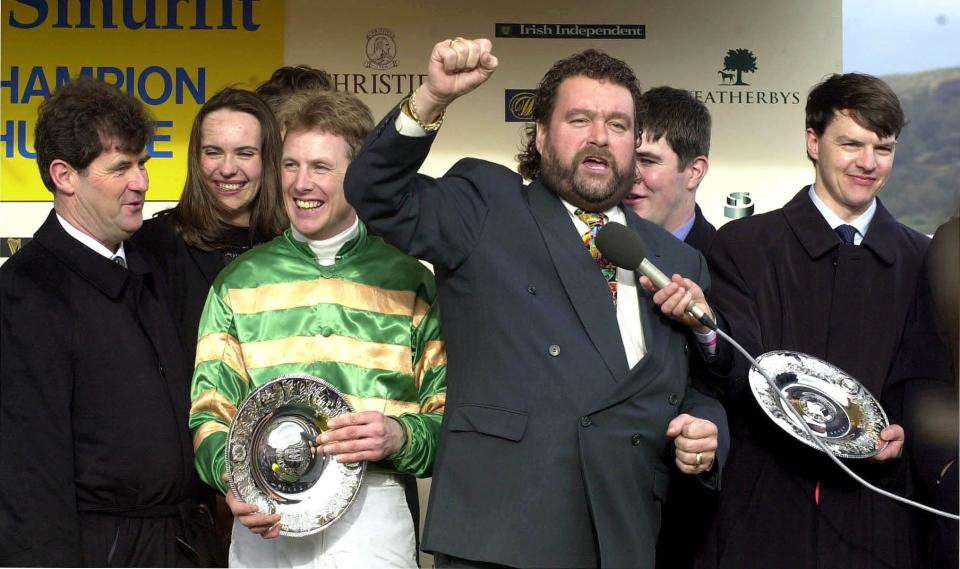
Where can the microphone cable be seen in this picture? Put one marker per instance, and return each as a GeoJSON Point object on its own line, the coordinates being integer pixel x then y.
{"type": "Point", "coordinates": [790, 409]}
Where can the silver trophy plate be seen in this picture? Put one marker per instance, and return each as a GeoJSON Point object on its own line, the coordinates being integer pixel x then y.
{"type": "Point", "coordinates": [273, 460]}
{"type": "Point", "coordinates": [838, 409]}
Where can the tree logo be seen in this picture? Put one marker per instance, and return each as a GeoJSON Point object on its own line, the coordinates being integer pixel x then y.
{"type": "Point", "coordinates": [737, 62]}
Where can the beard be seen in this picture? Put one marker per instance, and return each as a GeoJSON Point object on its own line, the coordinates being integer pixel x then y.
{"type": "Point", "coordinates": [586, 193]}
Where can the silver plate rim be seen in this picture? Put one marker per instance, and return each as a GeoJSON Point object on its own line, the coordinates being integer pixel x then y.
{"type": "Point", "coordinates": [760, 389]}
{"type": "Point", "coordinates": [230, 441]}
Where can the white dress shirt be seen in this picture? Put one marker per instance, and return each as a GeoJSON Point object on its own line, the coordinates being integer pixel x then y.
{"type": "Point", "coordinates": [90, 242]}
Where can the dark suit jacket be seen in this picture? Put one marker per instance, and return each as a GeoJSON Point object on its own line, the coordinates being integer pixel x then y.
{"type": "Point", "coordinates": [552, 452]}
{"type": "Point", "coordinates": [97, 463]}
{"type": "Point", "coordinates": [189, 272]}
{"type": "Point", "coordinates": [784, 280]}
{"type": "Point", "coordinates": [702, 232]}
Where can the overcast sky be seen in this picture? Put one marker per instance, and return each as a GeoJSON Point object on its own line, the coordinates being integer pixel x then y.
{"type": "Point", "coordinates": [884, 37]}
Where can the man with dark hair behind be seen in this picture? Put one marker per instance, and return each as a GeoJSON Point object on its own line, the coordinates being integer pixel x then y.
{"type": "Point", "coordinates": [328, 299]}
{"type": "Point", "coordinates": [831, 274]}
{"type": "Point", "coordinates": [97, 466]}
{"type": "Point", "coordinates": [288, 80]}
{"type": "Point", "coordinates": [569, 399]}
{"type": "Point", "coordinates": [672, 160]}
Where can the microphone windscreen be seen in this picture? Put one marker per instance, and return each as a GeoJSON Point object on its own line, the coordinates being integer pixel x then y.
{"type": "Point", "coordinates": [620, 245]}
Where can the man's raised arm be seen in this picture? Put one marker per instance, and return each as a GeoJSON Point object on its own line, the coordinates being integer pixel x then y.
{"type": "Point", "coordinates": [435, 220]}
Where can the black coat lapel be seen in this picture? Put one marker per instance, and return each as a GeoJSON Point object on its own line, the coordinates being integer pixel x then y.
{"type": "Point", "coordinates": [582, 280]}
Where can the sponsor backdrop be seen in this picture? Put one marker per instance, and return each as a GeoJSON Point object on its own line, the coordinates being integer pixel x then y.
{"type": "Point", "coordinates": [752, 63]}
{"type": "Point", "coordinates": [171, 55]}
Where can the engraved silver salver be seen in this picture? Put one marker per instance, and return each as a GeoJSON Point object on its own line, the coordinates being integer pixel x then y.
{"type": "Point", "coordinates": [273, 460]}
{"type": "Point", "coordinates": [838, 409]}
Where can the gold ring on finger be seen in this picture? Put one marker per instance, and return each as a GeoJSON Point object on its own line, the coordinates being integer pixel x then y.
{"type": "Point", "coordinates": [699, 459]}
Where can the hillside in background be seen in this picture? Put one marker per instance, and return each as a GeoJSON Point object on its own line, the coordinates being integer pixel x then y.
{"type": "Point", "coordinates": [924, 190]}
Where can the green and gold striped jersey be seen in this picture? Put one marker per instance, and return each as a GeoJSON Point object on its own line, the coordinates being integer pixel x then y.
{"type": "Point", "coordinates": [369, 324]}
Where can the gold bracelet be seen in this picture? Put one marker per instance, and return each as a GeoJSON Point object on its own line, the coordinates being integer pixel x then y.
{"type": "Point", "coordinates": [411, 111]}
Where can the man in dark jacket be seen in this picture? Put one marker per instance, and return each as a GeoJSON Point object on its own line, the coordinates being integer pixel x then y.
{"type": "Point", "coordinates": [97, 466]}
{"type": "Point", "coordinates": [672, 160]}
{"type": "Point", "coordinates": [568, 397]}
{"type": "Point", "coordinates": [831, 274]}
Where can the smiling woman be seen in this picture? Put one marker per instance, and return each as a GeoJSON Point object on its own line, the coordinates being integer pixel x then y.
{"type": "Point", "coordinates": [231, 201]}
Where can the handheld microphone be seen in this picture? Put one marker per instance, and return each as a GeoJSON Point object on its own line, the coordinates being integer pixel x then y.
{"type": "Point", "coordinates": [622, 247]}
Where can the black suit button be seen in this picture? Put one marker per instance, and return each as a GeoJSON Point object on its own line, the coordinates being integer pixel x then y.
{"type": "Point", "coordinates": [673, 399]}
{"type": "Point", "coordinates": [686, 349]}
{"type": "Point", "coordinates": [636, 440]}
{"type": "Point", "coordinates": [554, 350]}
{"type": "Point", "coordinates": [532, 289]}
{"type": "Point", "coordinates": [160, 367]}
{"type": "Point", "coordinates": [585, 421]}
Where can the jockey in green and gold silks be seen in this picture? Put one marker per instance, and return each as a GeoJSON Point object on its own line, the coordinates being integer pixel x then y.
{"type": "Point", "coordinates": [368, 324]}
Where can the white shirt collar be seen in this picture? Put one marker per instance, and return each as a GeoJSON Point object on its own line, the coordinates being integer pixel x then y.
{"type": "Point", "coordinates": [861, 223]}
{"type": "Point", "coordinates": [326, 250]}
{"type": "Point", "coordinates": [90, 242]}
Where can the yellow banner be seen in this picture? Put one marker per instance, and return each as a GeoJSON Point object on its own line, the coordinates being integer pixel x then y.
{"type": "Point", "coordinates": [171, 55]}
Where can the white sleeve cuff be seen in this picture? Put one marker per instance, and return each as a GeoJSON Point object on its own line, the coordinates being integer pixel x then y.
{"type": "Point", "coordinates": [407, 126]}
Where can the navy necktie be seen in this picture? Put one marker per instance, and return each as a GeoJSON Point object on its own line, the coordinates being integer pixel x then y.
{"type": "Point", "coordinates": [846, 233]}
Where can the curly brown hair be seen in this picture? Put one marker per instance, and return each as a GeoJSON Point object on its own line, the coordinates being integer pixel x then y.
{"type": "Point", "coordinates": [590, 63]}
{"type": "Point", "coordinates": [81, 119]}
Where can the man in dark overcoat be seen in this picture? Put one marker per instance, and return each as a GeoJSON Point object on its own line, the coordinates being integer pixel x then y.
{"type": "Point", "coordinates": [831, 274]}
{"type": "Point", "coordinates": [97, 461]}
{"type": "Point", "coordinates": [568, 396]}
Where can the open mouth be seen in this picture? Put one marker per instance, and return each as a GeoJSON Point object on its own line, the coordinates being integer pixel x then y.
{"type": "Point", "coordinates": [596, 163]}
{"type": "Point", "coordinates": [229, 187]}
{"type": "Point", "coordinates": [308, 204]}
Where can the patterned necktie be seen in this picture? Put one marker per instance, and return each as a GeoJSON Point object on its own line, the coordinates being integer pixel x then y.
{"type": "Point", "coordinates": [594, 222]}
{"type": "Point", "coordinates": [120, 261]}
{"type": "Point", "coordinates": [846, 233]}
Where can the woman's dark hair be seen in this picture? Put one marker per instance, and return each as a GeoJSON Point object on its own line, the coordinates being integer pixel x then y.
{"type": "Point", "coordinates": [199, 217]}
